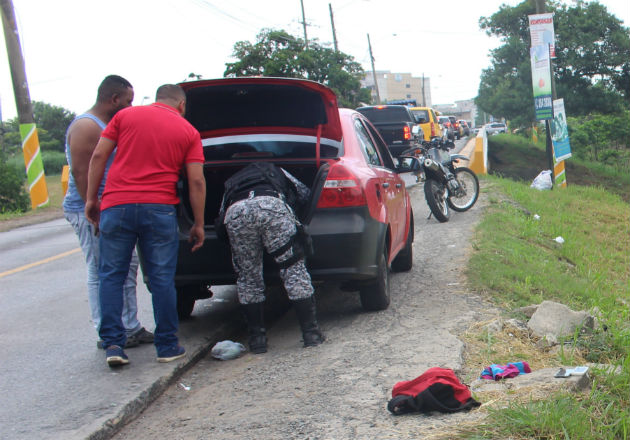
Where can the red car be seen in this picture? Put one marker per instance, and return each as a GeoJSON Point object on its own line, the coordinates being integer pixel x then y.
{"type": "Point", "coordinates": [360, 217]}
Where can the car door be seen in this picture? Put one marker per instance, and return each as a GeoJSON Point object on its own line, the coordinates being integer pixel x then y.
{"type": "Point", "coordinates": [393, 187]}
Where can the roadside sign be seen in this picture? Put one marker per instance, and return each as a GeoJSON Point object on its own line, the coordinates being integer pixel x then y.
{"type": "Point", "coordinates": [541, 82]}
{"type": "Point", "coordinates": [541, 31]}
{"type": "Point", "coordinates": [560, 132]}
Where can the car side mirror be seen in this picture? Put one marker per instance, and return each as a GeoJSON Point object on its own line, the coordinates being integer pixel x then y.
{"type": "Point", "coordinates": [408, 164]}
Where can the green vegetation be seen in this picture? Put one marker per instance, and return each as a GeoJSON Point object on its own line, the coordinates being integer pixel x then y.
{"type": "Point", "coordinates": [591, 70]}
{"type": "Point", "coordinates": [55, 194]}
{"type": "Point", "coordinates": [517, 262]}
{"type": "Point", "coordinates": [279, 54]}
{"type": "Point", "coordinates": [13, 196]}
{"type": "Point", "coordinates": [51, 122]}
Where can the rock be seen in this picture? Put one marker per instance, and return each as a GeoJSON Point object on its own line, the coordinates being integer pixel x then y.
{"type": "Point", "coordinates": [536, 381]}
{"type": "Point", "coordinates": [495, 326]}
{"type": "Point", "coordinates": [556, 320]}
{"type": "Point", "coordinates": [527, 310]}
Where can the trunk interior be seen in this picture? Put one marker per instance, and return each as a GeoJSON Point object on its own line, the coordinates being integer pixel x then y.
{"type": "Point", "coordinates": [217, 173]}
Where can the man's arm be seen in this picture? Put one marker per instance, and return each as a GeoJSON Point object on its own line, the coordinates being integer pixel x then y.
{"type": "Point", "coordinates": [197, 197]}
{"type": "Point", "coordinates": [82, 140]}
{"type": "Point", "coordinates": [96, 171]}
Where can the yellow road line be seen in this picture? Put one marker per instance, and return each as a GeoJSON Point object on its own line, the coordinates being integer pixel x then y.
{"type": "Point", "coordinates": [39, 263]}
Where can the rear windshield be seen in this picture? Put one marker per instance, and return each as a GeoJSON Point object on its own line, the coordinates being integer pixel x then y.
{"type": "Point", "coordinates": [253, 105]}
{"type": "Point", "coordinates": [421, 114]}
{"type": "Point", "coordinates": [385, 114]}
{"type": "Point", "coordinates": [276, 149]}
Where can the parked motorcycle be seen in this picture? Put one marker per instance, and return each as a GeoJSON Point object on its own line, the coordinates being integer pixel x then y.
{"type": "Point", "coordinates": [445, 186]}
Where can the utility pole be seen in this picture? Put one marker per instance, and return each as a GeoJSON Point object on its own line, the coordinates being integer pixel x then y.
{"type": "Point", "coordinates": [540, 9]}
{"type": "Point", "coordinates": [378, 96]}
{"type": "Point", "coordinates": [30, 143]}
{"type": "Point", "coordinates": [304, 24]}
{"type": "Point", "coordinates": [332, 23]}
{"type": "Point", "coordinates": [424, 100]}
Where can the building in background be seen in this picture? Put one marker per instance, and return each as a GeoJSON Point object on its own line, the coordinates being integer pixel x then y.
{"type": "Point", "coordinates": [465, 109]}
{"type": "Point", "coordinates": [399, 86]}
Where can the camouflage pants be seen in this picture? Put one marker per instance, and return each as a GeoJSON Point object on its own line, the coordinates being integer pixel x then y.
{"type": "Point", "coordinates": [262, 223]}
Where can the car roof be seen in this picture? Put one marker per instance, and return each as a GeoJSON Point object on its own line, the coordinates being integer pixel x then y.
{"type": "Point", "coordinates": [255, 105]}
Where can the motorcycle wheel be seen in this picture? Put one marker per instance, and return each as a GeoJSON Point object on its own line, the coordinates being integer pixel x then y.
{"type": "Point", "coordinates": [465, 198]}
{"type": "Point", "coordinates": [435, 193]}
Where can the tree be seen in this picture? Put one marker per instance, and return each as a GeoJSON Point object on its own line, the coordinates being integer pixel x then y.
{"type": "Point", "coordinates": [51, 122]}
{"type": "Point", "coordinates": [277, 53]}
{"type": "Point", "coordinates": [591, 71]}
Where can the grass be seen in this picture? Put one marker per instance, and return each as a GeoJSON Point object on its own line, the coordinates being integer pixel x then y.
{"type": "Point", "coordinates": [517, 262]}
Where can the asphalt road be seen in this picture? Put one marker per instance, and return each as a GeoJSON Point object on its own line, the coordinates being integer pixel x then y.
{"type": "Point", "coordinates": [55, 382]}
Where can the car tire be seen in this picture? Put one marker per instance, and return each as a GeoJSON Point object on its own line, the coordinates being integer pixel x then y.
{"type": "Point", "coordinates": [186, 301]}
{"type": "Point", "coordinates": [375, 296]}
{"type": "Point", "coordinates": [404, 260]}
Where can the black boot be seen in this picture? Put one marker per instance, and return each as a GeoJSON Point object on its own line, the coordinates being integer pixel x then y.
{"type": "Point", "coordinates": [256, 327]}
{"type": "Point", "coordinates": [305, 311]}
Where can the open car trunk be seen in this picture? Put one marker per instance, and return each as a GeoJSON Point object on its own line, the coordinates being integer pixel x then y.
{"type": "Point", "coordinates": [216, 174]}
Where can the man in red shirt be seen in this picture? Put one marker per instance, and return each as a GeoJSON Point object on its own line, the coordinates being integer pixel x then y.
{"type": "Point", "coordinates": [154, 144]}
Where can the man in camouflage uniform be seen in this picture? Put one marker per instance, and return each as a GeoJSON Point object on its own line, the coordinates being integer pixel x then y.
{"type": "Point", "coordinates": [258, 216]}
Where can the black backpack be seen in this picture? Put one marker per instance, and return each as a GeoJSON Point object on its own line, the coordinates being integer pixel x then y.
{"type": "Point", "coordinates": [260, 175]}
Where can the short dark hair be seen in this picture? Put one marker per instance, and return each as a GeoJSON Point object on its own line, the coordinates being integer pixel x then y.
{"type": "Point", "coordinates": [112, 85]}
{"type": "Point", "coordinates": [170, 92]}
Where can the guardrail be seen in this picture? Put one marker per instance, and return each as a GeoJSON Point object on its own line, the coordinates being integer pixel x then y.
{"type": "Point", "coordinates": [477, 151]}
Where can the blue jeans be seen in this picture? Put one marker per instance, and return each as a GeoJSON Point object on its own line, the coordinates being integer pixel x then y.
{"type": "Point", "coordinates": [89, 245]}
{"type": "Point", "coordinates": [154, 228]}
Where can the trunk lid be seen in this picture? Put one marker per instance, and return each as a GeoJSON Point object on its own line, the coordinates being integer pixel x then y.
{"type": "Point", "coordinates": [260, 105]}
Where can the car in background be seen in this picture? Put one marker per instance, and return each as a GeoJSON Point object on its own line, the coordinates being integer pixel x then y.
{"type": "Point", "coordinates": [428, 121]}
{"type": "Point", "coordinates": [447, 127]}
{"type": "Point", "coordinates": [495, 128]}
{"type": "Point", "coordinates": [359, 218]}
{"type": "Point", "coordinates": [396, 124]}
{"type": "Point", "coordinates": [456, 128]}
{"type": "Point", "coordinates": [465, 127]}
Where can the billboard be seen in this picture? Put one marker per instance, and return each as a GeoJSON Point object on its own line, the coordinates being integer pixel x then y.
{"type": "Point", "coordinates": [541, 31]}
{"type": "Point", "coordinates": [541, 82]}
{"type": "Point", "coordinates": [560, 132]}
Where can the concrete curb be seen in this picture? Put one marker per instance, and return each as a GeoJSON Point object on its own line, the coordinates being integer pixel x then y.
{"type": "Point", "coordinates": [135, 407]}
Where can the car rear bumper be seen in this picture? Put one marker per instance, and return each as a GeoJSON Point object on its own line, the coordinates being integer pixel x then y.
{"type": "Point", "coordinates": [347, 244]}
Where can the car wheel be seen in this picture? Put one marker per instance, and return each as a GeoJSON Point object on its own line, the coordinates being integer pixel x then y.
{"type": "Point", "coordinates": [404, 260]}
{"type": "Point", "coordinates": [186, 301]}
{"type": "Point", "coordinates": [375, 296]}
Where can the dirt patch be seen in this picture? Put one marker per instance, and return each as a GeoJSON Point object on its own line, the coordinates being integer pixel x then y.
{"type": "Point", "coordinates": [341, 388]}
{"type": "Point", "coordinates": [31, 218]}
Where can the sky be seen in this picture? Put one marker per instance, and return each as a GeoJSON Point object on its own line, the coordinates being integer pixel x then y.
{"type": "Point", "coordinates": [69, 46]}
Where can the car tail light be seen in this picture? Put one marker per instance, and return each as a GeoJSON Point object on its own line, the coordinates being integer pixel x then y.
{"type": "Point", "coordinates": [433, 133]}
{"type": "Point", "coordinates": [380, 107]}
{"type": "Point", "coordinates": [406, 133]}
{"type": "Point", "coordinates": [341, 189]}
